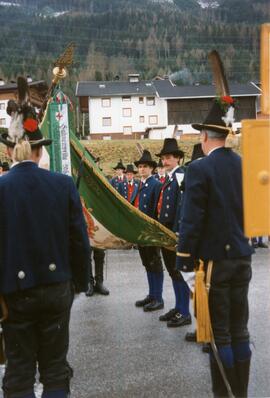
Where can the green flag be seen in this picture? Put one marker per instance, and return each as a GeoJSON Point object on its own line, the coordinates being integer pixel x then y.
{"type": "Point", "coordinates": [56, 125]}
{"type": "Point", "coordinates": [103, 205]}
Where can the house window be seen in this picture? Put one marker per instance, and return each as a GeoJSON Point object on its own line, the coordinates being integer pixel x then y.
{"type": "Point", "coordinates": [2, 122]}
{"type": "Point", "coordinates": [126, 98]}
{"type": "Point", "coordinates": [127, 130]}
{"type": "Point", "coordinates": [2, 106]}
{"type": "Point", "coordinates": [150, 101]}
{"type": "Point", "coordinates": [141, 100]}
{"type": "Point", "coordinates": [106, 121]}
{"type": "Point", "coordinates": [106, 102]}
{"type": "Point", "coordinates": [126, 112]}
{"type": "Point", "coordinates": [153, 119]}
{"type": "Point", "coordinates": [141, 119]}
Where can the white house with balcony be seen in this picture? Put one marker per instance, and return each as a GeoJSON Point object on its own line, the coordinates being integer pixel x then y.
{"type": "Point", "coordinates": [155, 109]}
{"type": "Point", "coordinates": [122, 109]}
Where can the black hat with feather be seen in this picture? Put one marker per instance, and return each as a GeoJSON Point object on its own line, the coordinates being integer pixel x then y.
{"type": "Point", "coordinates": [221, 115]}
{"type": "Point", "coordinates": [197, 152]}
{"type": "Point", "coordinates": [24, 123]}
{"type": "Point", "coordinates": [170, 147]}
{"type": "Point", "coordinates": [146, 158]}
{"type": "Point", "coordinates": [130, 169]}
{"type": "Point", "coordinates": [119, 166]}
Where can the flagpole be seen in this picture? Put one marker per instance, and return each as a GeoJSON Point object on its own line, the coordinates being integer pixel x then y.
{"type": "Point", "coordinates": [59, 72]}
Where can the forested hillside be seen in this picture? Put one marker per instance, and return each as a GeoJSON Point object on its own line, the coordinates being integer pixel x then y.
{"type": "Point", "coordinates": [117, 37]}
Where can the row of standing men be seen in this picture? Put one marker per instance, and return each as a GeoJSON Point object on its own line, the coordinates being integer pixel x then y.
{"type": "Point", "coordinates": [159, 196]}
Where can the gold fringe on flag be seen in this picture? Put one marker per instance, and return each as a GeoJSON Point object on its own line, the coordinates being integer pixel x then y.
{"type": "Point", "coordinates": [201, 304]}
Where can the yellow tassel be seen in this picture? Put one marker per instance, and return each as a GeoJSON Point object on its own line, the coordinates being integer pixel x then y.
{"type": "Point", "coordinates": [202, 307]}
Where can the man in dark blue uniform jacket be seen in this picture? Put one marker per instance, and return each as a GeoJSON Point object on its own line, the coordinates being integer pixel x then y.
{"type": "Point", "coordinates": [160, 175]}
{"type": "Point", "coordinates": [168, 210]}
{"type": "Point", "coordinates": [120, 177]}
{"type": "Point", "coordinates": [129, 187]}
{"type": "Point", "coordinates": [146, 201]}
{"type": "Point", "coordinates": [44, 250]}
{"type": "Point", "coordinates": [212, 229]}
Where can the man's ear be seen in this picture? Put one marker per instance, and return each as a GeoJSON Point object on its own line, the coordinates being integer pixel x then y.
{"type": "Point", "coordinates": [204, 136]}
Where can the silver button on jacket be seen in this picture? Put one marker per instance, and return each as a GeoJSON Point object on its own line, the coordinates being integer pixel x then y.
{"type": "Point", "coordinates": [21, 275]}
{"type": "Point", "coordinates": [52, 267]}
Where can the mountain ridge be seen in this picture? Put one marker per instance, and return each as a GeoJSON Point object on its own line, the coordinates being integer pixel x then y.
{"type": "Point", "coordinates": [117, 37]}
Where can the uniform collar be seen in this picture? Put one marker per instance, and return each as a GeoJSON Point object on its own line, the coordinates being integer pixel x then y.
{"type": "Point", "coordinates": [144, 181]}
{"type": "Point", "coordinates": [170, 173]}
{"type": "Point", "coordinates": [17, 163]}
{"type": "Point", "coordinates": [214, 149]}
{"type": "Point", "coordinates": [21, 166]}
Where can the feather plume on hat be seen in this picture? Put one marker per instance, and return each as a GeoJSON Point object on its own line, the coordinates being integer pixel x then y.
{"type": "Point", "coordinates": [221, 115]}
{"type": "Point", "coordinates": [24, 123]}
{"type": "Point", "coordinates": [222, 88]}
{"type": "Point", "coordinates": [16, 110]}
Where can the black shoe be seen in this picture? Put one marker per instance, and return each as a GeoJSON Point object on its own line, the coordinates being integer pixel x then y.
{"type": "Point", "coordinates": [263, 245]}
{"type": "Point", "coordinates": [255, 245]}
{"type": "Point", "coordinates": [179, 320]}
{"type": "Point", "coordinates": [90, 290]}
{"type": "Point", "coordinates": [191, 336]}
{"type": "Point", "coordinates": [154, 305]}
{"type": "Point", "coordinates": [142, 303]}
{"type": "Point", "coordinates": [168, 316]}
{"type": "Point", "coordinates": [101, 289]}
{"type": "Point", "coordinates": [206, 348]}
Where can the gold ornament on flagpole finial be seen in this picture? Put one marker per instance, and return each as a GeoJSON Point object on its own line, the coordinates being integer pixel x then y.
{"type": "Point", "coordinates": [59, 72]}
{"type": "Point", "coordinates": [66, 59]}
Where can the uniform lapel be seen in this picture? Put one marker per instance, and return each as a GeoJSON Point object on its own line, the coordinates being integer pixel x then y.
{"type": "Point", "coordinates": [141, 187]}
{"type": "Point", "coordinates": [135, 191]}
{"type": "Point", "coordinates": [167, 182]}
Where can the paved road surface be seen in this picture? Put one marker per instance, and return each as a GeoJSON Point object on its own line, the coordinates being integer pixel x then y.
{"type": "Point", "coordinates": [118, 351]}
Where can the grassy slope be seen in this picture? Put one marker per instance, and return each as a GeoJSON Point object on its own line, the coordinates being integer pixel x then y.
{"type": "Point", "coordinates": [111, 151]}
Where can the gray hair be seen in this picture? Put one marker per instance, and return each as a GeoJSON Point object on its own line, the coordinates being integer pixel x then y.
{"type": "Point", "coordinates": [215, 135]}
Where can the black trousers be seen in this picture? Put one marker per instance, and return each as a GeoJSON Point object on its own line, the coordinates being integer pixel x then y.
{"type": "Point", "coordinates": [169, 258]}
{"type": "Point", "coordinates": [151, 259]}
{"type": "Point", "coordinates": [228, 300]}
{"type": "Point", "coordinates": [99, 257]}
{"type": "Point", "coordinates": [37, 333]}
